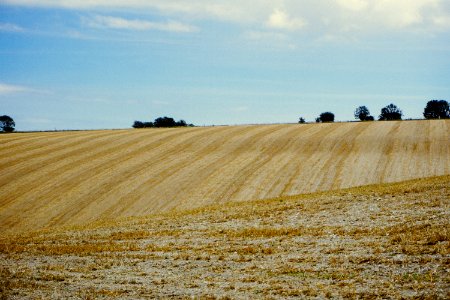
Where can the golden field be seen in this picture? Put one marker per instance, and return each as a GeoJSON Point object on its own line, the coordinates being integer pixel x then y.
{"type": "Point", "coordinates": [388, 241]}
{"type": "Point", "coordinates": [343, 211]}
{"type": "Point", "coordinates": [50, 179]}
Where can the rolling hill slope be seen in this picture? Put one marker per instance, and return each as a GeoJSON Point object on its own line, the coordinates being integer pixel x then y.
{"type": "Point", "coordinates": [387, 241]}
{"type": "Point", "coordinates": [60, 178]}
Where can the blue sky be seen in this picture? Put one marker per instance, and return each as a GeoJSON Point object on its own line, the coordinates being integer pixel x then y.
{"type": "Point", "coordinates": [103, 64]}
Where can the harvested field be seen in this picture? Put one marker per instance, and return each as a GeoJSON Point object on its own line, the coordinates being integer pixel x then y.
{"type": "Point", "coordinates": [389, 241]}
{"type": "Point", "coordinates": [64, 178]}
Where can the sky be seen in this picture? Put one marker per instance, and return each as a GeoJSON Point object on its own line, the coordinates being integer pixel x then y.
{"type": "Point", "coordinates": [100, 64]}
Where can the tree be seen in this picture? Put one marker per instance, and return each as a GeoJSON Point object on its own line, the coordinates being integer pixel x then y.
{"type": "Point", "coordinates": [138, 124]}
{"type": "Point", "coordinates": [301, 120]}
{"type": "Point", "coordinates": [164, 122]}
{"type": "Point", "coordinates": [181, 123]}
{"type": "Point", "coordinates": [7, 124]}
{"type": "Point", "coordinates": [161, 122]}
{"type": "Point", "coordinates": [390, 112]}
{"type": "Point", "coordinates": [325, 117]}
{"type": "Point", "coordinates": [363, 114]}
{"type": "Point", "coordinates": [437, 109]}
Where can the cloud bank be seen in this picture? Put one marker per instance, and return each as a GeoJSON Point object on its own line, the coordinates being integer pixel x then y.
{"type": "Point", "coordinates": [281, 14]}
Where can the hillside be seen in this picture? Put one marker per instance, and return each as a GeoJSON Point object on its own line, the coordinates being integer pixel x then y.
{"type": "Point", "coordinates": [389, 241]}
{"type": "Point", "coordinates": [63, 178]}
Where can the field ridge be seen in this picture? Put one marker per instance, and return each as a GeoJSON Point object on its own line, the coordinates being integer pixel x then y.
{"type": "Point", "coordinates": [68, 178]}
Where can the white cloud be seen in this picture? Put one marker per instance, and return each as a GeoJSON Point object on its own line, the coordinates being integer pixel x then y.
{"type": "Point", "coordinates": [442, 21]}
{"type": "Point", "coordinates": [403, 13]}
{"type": "Point", "coordinates": [121, 23]}
{"type": "Point", "coordinates": [232, 10]}
{"type": "Point", "coordinates": [322, 16]}
{"type": "Point", "coordinates": [11, 89]}
{"type": "Point", "coordinates": [281, 20]}
{"type": "Point", "coordinates": [6, 89]}
{"type": "Point", "coordinates": [10, 27]}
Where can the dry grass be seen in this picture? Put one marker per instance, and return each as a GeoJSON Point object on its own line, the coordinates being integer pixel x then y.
{"type": "Point", "coordinates": [379, 241]}
{"type": "Point", "coordinates": [161, 213]}
{"type": "Point", "coordinates": [67, 178]}
{"type": "Point", "coordinates": [270, 232]}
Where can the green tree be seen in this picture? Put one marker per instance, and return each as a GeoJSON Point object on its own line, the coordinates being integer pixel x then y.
{"type": "Point", "coordinates": [325, 117]}
{"type": "Point", "coordinates": [7, 123]}
{"type": "Point", "coordinates": [181, 123]}
{"type": "Point", "coordinates": [138, 124]}
{"type": "Point", "coordinates": [390, 112]}
{"type": "Point", "coordinates": [437, 109]}
{"type": "Point", "coordinates": [164, 122]}
{"type": "Point", "coordinates": [161, 122]}
{"type": "Point", "coordinates": [363, 114]}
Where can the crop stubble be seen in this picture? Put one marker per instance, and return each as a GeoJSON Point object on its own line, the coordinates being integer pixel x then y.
{"type": "Point", "coordinates": [64, 178]}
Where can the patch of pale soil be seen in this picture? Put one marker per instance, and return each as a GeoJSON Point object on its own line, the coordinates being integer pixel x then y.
{"type": "Point", "coordinates": [387, 241]}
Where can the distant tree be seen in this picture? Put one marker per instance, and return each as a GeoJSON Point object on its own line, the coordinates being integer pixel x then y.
{"type": "Point", "coordinates": [164, 122]}
{"type": "Point", "coordinates": [7, 123]}
{"type": "Point", "coordinates": [369, 118]}
{"type": "Point", "coordinates": [301, 120]}
{"type": "Point", "coordinates": [437, 109]}
{"type": "Point", "coordinates": [181, 123]}
{"type": "Point", "coordinates": [363, 114]}
{"type": "Point", "coordinates": [325, 117]}
{"type": "Point", "coordinates": [390, 112]}
{"type": "Point", "coordinates": [161, 122]}
{"type": "Point", "coordinates": [318, 120]}
{"type": "Point", "coordinates": [138, 124]}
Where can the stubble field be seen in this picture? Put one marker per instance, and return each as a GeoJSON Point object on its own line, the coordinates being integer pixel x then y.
{"type": "Point", "coordinates": [384, 241]}
{"type": "Point", "coordinates": [348, 210]}
{"type": "Point", "coordinates": [65, 178]}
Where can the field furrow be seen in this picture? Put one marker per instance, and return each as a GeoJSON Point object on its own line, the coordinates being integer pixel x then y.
{"type": "Point", "coordinates": [50, 179]}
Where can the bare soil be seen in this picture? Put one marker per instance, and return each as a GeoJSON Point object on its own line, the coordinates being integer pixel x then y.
{"type": "Point", "coordinates": [383, 241]}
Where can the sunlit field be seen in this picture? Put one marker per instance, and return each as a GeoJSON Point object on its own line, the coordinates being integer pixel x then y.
{"type": "Point", "coordinates": [68, 178]}
{"type": "Point", "coordinates": [344, 210]}
{"type": "Point", "coordinates": [388, 241]}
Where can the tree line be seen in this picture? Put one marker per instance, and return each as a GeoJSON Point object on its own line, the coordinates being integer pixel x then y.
{"type": "Point", "coordinates": [161, 122]}
{"type": "Point", "coordinates": [435, 109]}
